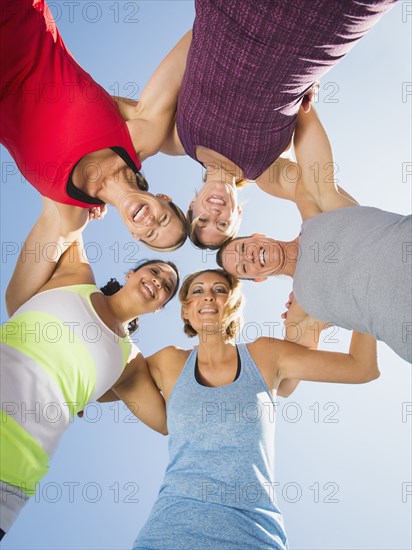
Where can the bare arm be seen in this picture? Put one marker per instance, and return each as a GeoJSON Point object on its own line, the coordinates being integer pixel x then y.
{"type": "Point", "coordinates": [316, 189]}
{"type": "Point", "coordinates": [356, 367]}
{"type": "Point", "coordinates": [302, 329]}
{"type": "Point", "coordinates": [139, 392]}
{"type": "Point", "coordinates": [51, 236]}
{"type": "Point", "coordinates": [152, 118]}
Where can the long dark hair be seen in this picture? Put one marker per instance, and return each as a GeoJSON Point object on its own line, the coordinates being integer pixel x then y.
{"type": "Point", "coordinates": [113, 286]}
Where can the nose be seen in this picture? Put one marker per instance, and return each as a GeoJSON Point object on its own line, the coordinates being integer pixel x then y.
{"type": "Point", "coordinates": [249, 255]}
{"type": "Point", "coordinates": [149, 220]}
{"type": "Point", "coordinates": [209, 297]}
{"type": "Point", "coordinates": [156, 282]}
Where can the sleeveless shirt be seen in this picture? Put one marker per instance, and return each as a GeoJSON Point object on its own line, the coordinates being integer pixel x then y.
{"type": "Point", "coordinates": [355, 270]}
{"type": "Point", "coordinates": [218, 491]}
{"type": "Point", "coordinates": [250, 64]}
{"type": "Point", "coordinates": [56, 356]}
{"type": "Point", "coordinates": [52, 112]}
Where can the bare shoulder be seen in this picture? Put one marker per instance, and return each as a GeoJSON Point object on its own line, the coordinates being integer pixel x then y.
{"type": "Point", "coordinates": [265, 352]}
{"type": "Point", "coordinates": [165, 367]}
{"type": "Point", "coordinates": [81, 274]}
{"type": "Point", "coordinates": [167, 357]}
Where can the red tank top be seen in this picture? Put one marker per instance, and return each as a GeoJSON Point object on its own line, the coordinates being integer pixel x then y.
{"type": "Point", "coordinates": [52, 113]}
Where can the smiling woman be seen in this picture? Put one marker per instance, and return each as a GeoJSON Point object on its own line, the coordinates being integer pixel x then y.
{"type": "Point", "coordinates": [50, 359]}
{"type": "Point", "coordinates": [151, 219]}
{"type": "Point", "coordinates": [221, 419]}
{"type": "Point", "coordinates": [87, 156]}
{"type": "Point", "coordinates": [214, 213]}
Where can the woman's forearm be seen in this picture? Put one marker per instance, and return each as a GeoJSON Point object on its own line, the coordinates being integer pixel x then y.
{"type": "Point", "coordinates": [56, 229]}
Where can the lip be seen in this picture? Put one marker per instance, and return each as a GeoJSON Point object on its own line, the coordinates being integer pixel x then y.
{"type": "Point", "coordinates": [208, 310]}
{"type": "Point", "coordinates": [262, 259]}
{"type": "Point", "coordinates": [216, 200]}
{"type": "Point", "coordinates": [140, 213]}
{"type": "Point", "coordinates": [149, 289]}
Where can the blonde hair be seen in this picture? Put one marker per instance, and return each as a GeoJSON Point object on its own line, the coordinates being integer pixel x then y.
{"type": "Point", "coordinates": [233, 315]}
{"type": "Point", "coordinates": [192, 223]}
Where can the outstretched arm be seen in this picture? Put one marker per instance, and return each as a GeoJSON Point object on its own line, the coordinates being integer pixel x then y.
{"type": "Point", "coordinates": [301, 329]}
{"type": "Point", "coordinates": [316, 189]}
{"type": "Point", "coordinates": [51, 236]}
{"type": "Point", "coordinates": [139, 392]}
{"type": "Point", "coordinates": [151, 120]}
{"type": "Point", "coordinates": [356, 367]}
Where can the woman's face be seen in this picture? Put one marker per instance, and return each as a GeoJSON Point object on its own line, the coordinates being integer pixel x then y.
{"type": "Point", "coordinates": [216, 207]}
{"type": "Point", "coordinates": [151, 219]}
{"type": "Point", "coordinates": [206, 302]}
{"type": "Point", "coordinates": [151, 285]}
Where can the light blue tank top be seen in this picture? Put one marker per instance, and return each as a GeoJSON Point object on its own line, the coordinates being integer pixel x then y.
{"type": "Point", "coordinates": [219, 488]}
{"type": "Point", "coordinates": [355, 270]}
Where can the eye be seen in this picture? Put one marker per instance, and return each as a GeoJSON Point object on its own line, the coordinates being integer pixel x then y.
{"type": "Point", "coordinates": [244, 268]}
{"type": "Point", "coordinates": [221, 290]}
{"type": "Point", "coordinates": [149, 234]}
{"type": "Point", "coordinates": [242, 248]}
{"type": "Point", "coordinates": [223, 224]}
{"type": "Point", "coordinates": [203, 220]}
{"type": "Point", "coordinates": [154, 270]}
{"type": "Point", "coordinates": [164, 219]}
{"type": "Point", "coordinates": [197, 291]}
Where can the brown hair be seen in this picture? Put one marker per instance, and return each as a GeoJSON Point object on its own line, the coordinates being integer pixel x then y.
{"type": "Point", "coordinates": [113, 286]}
{"type": "Point", "coordinates": [234, 306]}
{"type": "Point", "coordinates": [182, 239]}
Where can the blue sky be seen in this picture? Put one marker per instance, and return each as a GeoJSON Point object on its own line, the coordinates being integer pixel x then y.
{"type": "Point", "coordinates": [342, 452]}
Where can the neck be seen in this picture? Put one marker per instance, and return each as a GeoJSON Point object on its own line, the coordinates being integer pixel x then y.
{"type": "Point", "coordinates": [120, 308]}
{"type": "Point", "coordinates": [117, 186]}
{"type": "Point", "coordinates": [290, 251]}
{"type": "Point", "coordinates": [213, 349]}
{"type": "Point", "coordinates": [107, 181]}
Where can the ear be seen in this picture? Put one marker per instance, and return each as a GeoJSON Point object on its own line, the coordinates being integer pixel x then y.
{"type": "Point", "coordinates": [260, 280]}
{"type": "Point", "coordinates": [164, 197]}
{"type": "Point", "coordinates": [184, 313]}
{"type": "Point", "coordinates": [239, 211]}
{"type": "Point", "coordinates": [258, 235]}
{"type": "Point", "coordinates": [129, 274]}
{"type": "Point", "coordinates": [135, 236]}
{"type": "Point", "coordinates": [191, 205]}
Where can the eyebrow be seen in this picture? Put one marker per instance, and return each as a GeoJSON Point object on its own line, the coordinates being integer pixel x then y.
{"type": "Point", "coordinates": [215, 283]}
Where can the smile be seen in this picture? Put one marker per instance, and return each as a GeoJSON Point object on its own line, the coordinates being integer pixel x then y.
{"type": "Point", "coordinates": [207, 310]}
{"type": "Point", "coordinates": [262, 257]}
{"type": "Point", "coordinates": [216, 199]}
{"type": "Point", "coordinates": [140, 213]}
{"type": "Point", "coordinates": [149, 289]}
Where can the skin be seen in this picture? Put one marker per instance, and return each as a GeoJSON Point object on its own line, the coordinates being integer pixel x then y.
{"type": "Point", "coordinates": [258, 257]}
{"type": "Point", "coordinates": [217, 209]}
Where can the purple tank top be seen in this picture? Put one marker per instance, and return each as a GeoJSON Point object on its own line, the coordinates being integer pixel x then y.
{"type": "Point", "coordinates": [250, 64]}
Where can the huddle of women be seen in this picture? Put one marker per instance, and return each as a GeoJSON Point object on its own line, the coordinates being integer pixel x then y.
{"type": "Point", "coordinates": [236, 95]}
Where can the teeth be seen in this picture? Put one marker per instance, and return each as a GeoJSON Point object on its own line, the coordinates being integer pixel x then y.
{"type": "Point", "coordinates": [208, 310]}
{"type": "Point", "coordinates": [215, 200]}
{"type": "Point", "coordinates": [262, 257]}
{"type": "Point", "coordinates": [140, 214]}
{"type": "Point", "coordinates": [150, 289]}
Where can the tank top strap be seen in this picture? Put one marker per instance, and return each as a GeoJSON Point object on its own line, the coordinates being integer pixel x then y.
{"type": "Point", "coordinates": [251, 373]}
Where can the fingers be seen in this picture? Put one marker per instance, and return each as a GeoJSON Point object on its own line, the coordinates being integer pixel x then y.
{"type": "Point", "coordinates": [97, 212]}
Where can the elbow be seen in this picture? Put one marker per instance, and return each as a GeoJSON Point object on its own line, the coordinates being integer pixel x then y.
{"type": "Point", "coordinates": [372, 373]}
